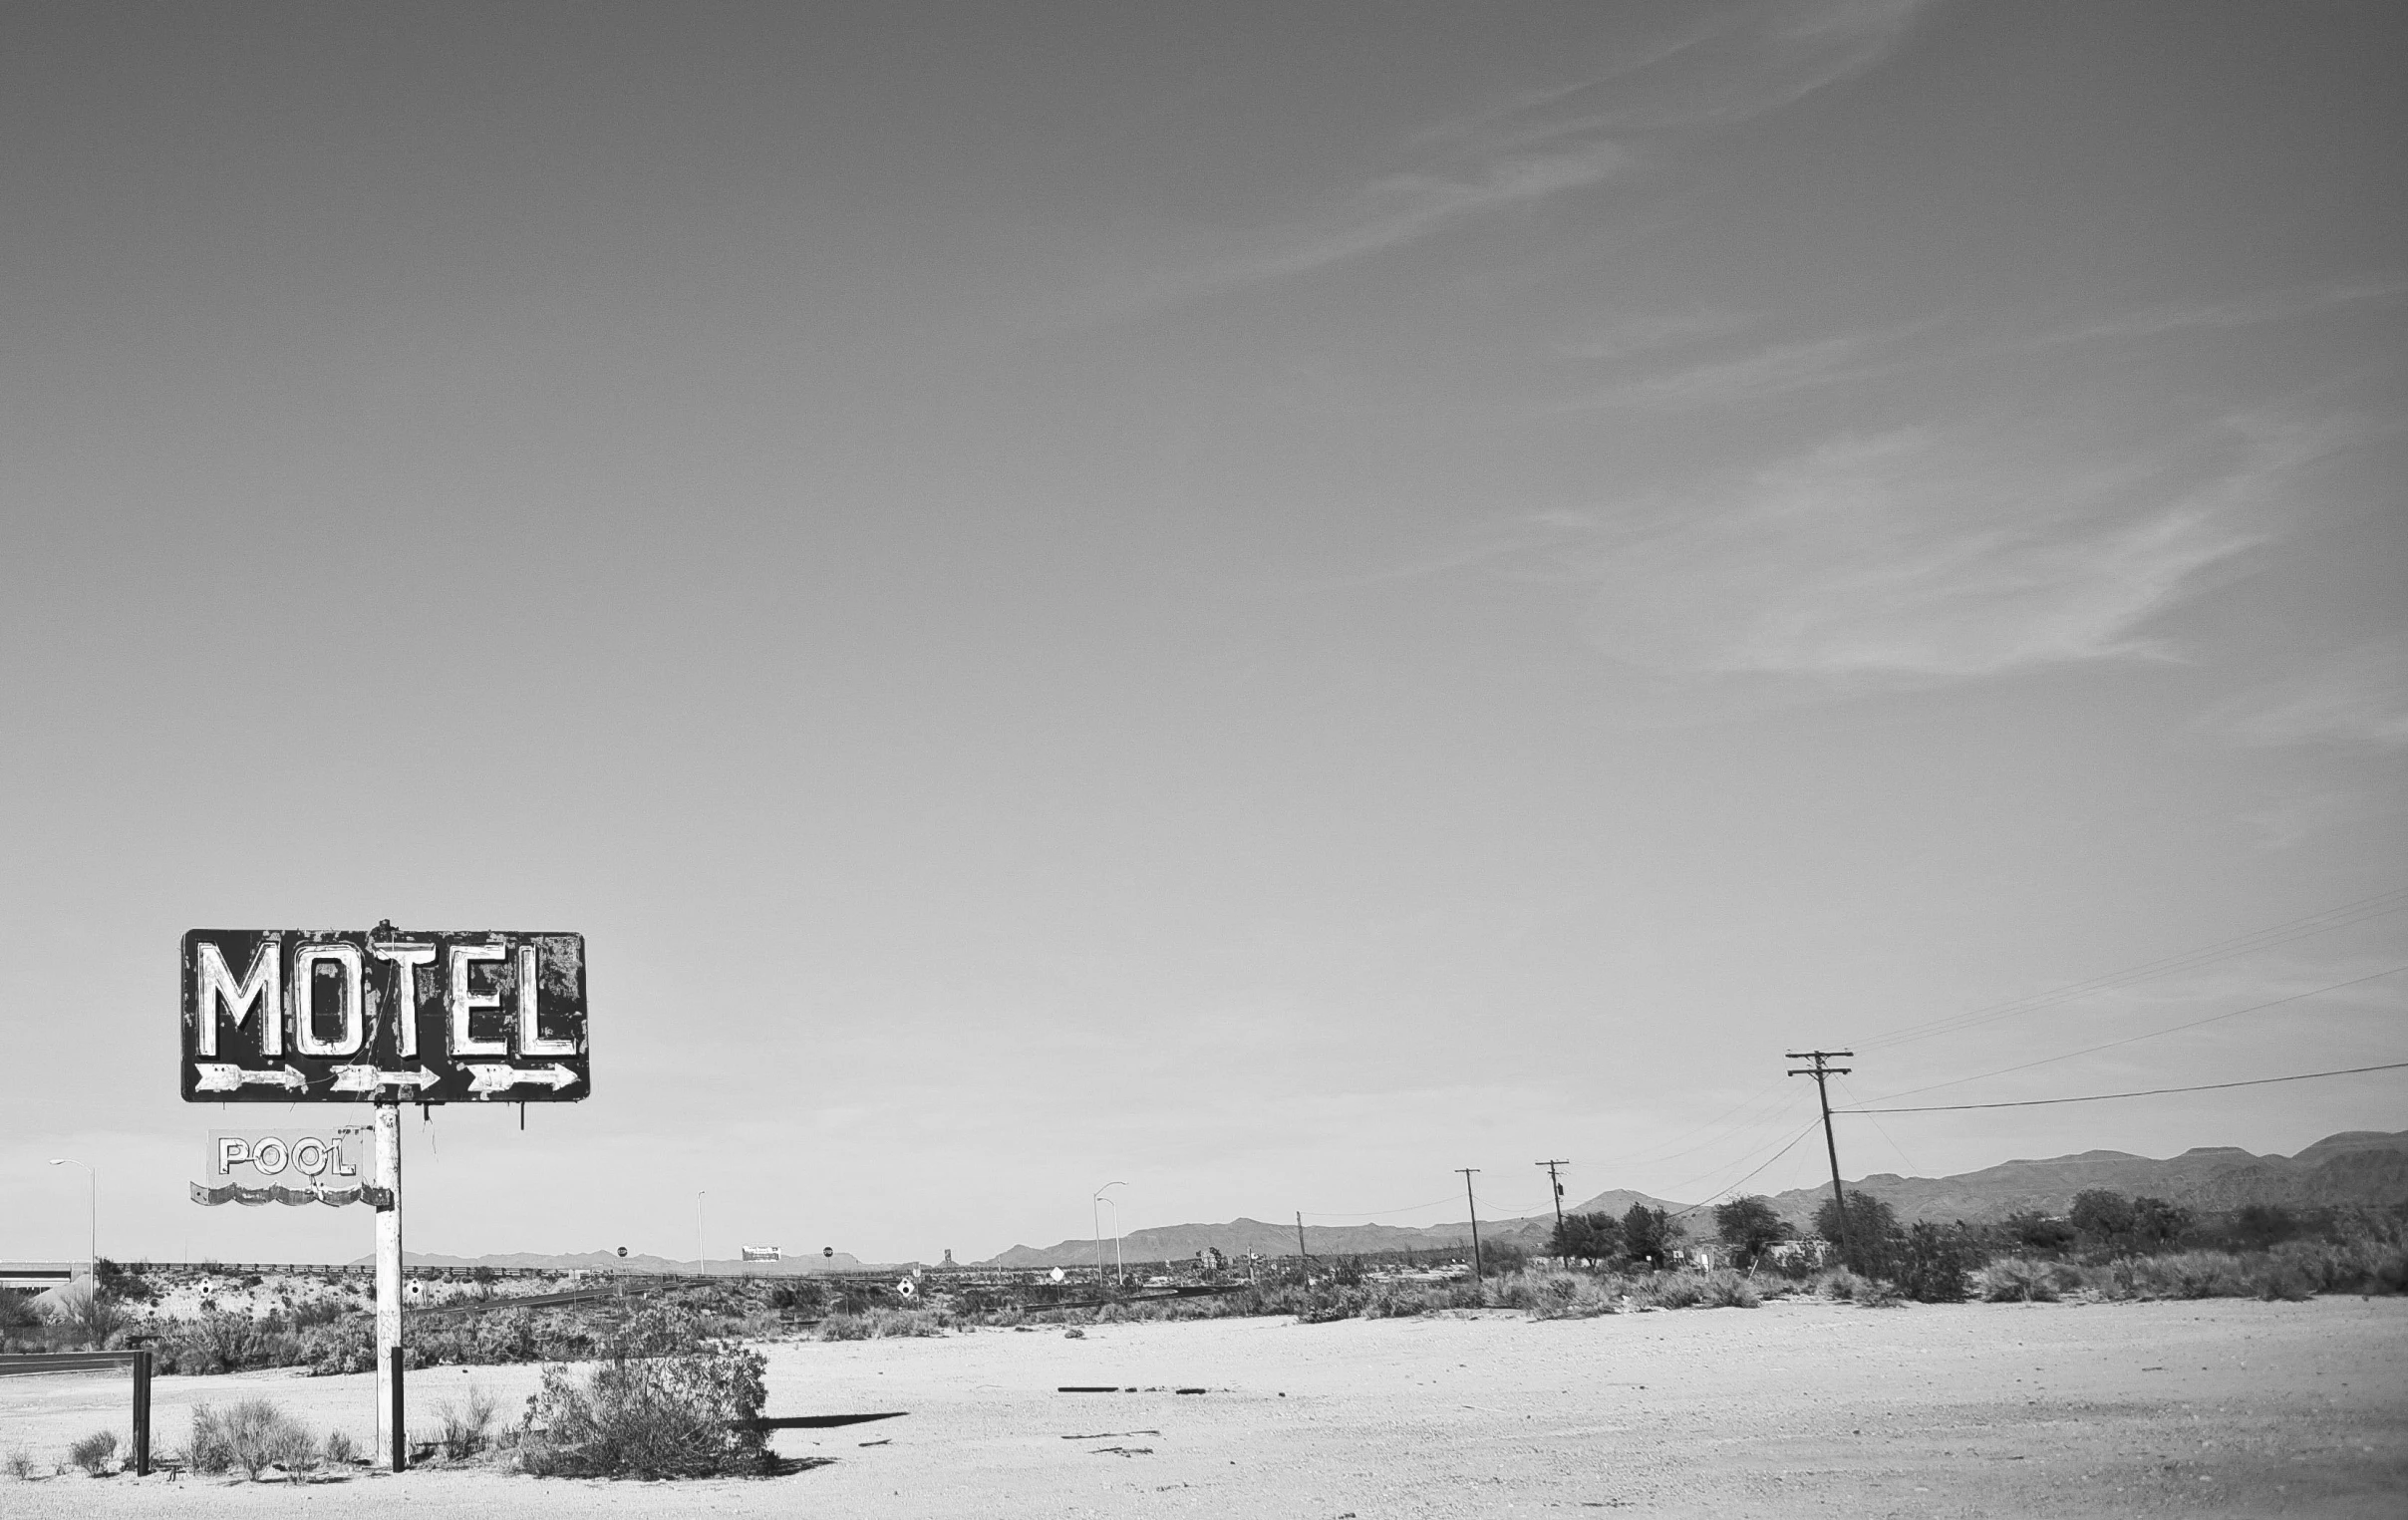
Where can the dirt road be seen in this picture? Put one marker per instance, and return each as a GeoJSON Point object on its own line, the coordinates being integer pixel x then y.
{"type": "Point", "coordinates": [2221, 1406]}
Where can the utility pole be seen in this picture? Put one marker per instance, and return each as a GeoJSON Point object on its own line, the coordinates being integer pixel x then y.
{"type": "Point", "coordinates": [392, 1440]}
{"type": "Point", "coordinates": [1475, 1220]}
{"type": "Point", "coordinates": [1096, 1223]}
{"type": "Point", "coordinates": [1821, 1072]}
{"type": "Point", "coordinates": [1302, 1254]}
{"type": "Point", "coordinates": [1559, 1190]}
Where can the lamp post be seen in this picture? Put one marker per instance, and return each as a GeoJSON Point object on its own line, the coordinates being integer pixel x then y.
{"type": "Point", "coordinates": [1096, 1222]}
{"type": "Point", "coordinates": [95, 1178]}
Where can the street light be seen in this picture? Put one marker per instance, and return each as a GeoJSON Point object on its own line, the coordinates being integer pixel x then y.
{"type": "Point", "coordinates": [1096, 1222]}
{"type": "Point", "coordinates": [95, 1178]}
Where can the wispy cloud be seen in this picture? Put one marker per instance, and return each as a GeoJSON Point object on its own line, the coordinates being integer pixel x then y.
{"type": "Point", "coordinates": [1921, 556]}
{"type": "Point", "coordinates": [1766, 371]}
{"type": "Point", "coordinates": [1633, 336]}
{"type": "Point", "coordinates": [2240, 311]}
{"type": "Point", "coordinates": [1548, 141]}
{"type": "Point", "coordinates": [1911, 556]}
{"type": "Point", "coordinates": [2357, 697]}
{"type": "Point", "coordinates": [1404, 207]}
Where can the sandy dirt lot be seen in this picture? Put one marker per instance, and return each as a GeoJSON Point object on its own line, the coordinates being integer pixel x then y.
{"type": "Point", "coordinates": [1796, 1409]}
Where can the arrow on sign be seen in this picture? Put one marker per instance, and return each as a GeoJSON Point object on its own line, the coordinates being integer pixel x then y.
{"type": "Point", "coordinates": [493, 1079]}
{"type": "Point", "coordinates": [213, 1076]}
{"type": "Point", "coordinates": [369, 1078]}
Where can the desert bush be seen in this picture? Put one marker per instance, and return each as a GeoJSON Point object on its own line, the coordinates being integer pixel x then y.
{"type": "Point", "coordinates": [121, 1283]}
{"type": "Point", "coordinates": [92, 1319]}
{"type": "Point", "coordinates": [16, 1310]}
{"type": "Point", "coordinates": [1930, 1263]}
{"type": "Point", "coordinates": [94, 1452]}
{"type": "Point", "coordinates": [1395, 1301]}
{"type": "Point", "coordinates": [341, 1451]}
{"type": "Point", "coordinates": [882, 1324]}
{"type": "Point", "coordinates": [1681, 1289]}
{"type": "Point", "coordinates": [1590, 1296]}
{"type": "Point", "coordinates": [1728, 1289]}
{"type": "Point", "coordinates": [208, 1449]}
{"type": "Point", "coordinates": [2017, 1279]}
{"type": "Point", "coordinates": [666, 1402]}
{"type": "Point", "coordinates": [464, 1425]}
{"type": "Point", "coordinates": [19, 1464]}
{"type": "Point", "coordinates": [253, 1435]}
{"type": "Point", "coordinates": [2189, 1275]}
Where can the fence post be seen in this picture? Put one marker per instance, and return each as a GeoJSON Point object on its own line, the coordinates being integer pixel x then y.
{"type": "Point", "coordinates": [142, 1414]}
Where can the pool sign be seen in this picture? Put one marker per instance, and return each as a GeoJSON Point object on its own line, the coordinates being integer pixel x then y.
{"type": "Point", "coordinates": [295, 1157]}
{"type": "Point", "coordinates": [340, 1016]}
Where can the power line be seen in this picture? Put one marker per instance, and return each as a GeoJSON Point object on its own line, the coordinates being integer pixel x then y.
{"type": "Point", "coordinates": [2315, 992]}
{"type": "Point", "coordinates": [1751, 1176]}
{"type": "Point", "coordinates": [2100, 1097]}
{"type": "Point", "coordinates": [2364, 909]}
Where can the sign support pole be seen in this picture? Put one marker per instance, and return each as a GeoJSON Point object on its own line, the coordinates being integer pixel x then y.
{"type": "Point", "coordinates": [393, 1442]}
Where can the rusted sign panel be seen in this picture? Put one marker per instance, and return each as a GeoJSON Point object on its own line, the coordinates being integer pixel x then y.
{"type": "Point", "coordinates": [337, 1016]}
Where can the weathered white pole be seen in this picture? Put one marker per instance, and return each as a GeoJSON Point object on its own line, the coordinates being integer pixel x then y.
{"type": "Point", "coordinates": [392, 1447]}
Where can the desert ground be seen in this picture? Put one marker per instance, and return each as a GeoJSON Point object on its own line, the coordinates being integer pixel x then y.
{"type": "Point", "coordinates": [2219, 1406]}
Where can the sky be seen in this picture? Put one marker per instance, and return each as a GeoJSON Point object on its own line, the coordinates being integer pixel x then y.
{"type": "Point", "coordinates": [1257, 602]}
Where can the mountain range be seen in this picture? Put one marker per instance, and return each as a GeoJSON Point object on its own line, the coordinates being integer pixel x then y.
{"type": "Point", "coordinates": [2355, 1168]}
{"type": "Point", "coordinates": [2359, 1167]}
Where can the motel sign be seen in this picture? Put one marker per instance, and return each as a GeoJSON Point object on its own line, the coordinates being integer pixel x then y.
{"type": "Point", "coordinates": [283, 1016]}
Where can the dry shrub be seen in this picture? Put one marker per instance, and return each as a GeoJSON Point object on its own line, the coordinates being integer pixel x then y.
{"type": "Point", "coordinates": [340, 1450]}
{"type": "Point", "coordinates": [253, 1435]}
{"type": "Point", "coordinates": [464, 1427]}
{"type": "Point", "coordinates": [1728, 1289]}
{"type": "Point", "coordinates": [2192, 1274]}
{"type": "Point", "coordinates": [666, 1402]}
{"type": "Point", "coordinates": [93, 1451]}
{"type": "Point", "coordinates": [2017, 1279]}
{"type": "Point", "coordinates": [19, 1464]}
{"type": "Point", "coordinates": [1842, 1284]}
{"type": "Point", "coordinates": [882, 1324]}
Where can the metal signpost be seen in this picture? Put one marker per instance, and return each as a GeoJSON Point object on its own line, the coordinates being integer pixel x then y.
{"type": "Point", "coordinates": [378, 1017]}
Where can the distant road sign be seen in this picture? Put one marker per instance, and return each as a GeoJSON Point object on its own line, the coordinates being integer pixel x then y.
{"type": "Point", "coordinates": [763, 1253]}
{"type": "Point", "coordinates": [283, 1016]}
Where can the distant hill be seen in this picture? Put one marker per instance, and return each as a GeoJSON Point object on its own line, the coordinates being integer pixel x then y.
{"type": "Point", "coordinates": [2359, 1167]}
{"type": "Point", "coordinates": [1238, 1236]}
{"type": "Point", "coordinates": [1618, 1202]}
{"type": "Point", "coordinates": [2363, 1167]}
